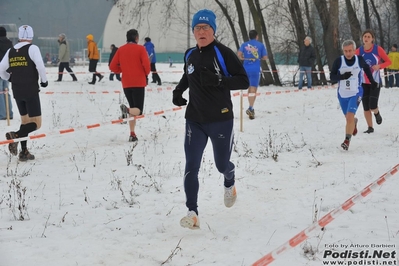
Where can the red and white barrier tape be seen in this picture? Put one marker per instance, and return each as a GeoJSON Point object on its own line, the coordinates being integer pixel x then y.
{"type": "Point", "coordinates": [285, 91]}
{"type": "Point", "coordinates": [234, 94]}
{"type": "Point", "coordinates": [92, 126]}
{"type": "Point", "coordinates": [80, 92]}
{"type": "Point", "coordinates": [168, 88]}
{"type": "Point", "coordinates": [181, 71]}
{"type": "Point", "coordinates": [328, 218]}
{"type": "Point", "coordinates": [104, 92]}
{"type": "Point", "coordinates": [108, 72]}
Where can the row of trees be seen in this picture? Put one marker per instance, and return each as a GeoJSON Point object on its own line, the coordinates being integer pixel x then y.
{"type": "Point", "coordinates": [282, 24]}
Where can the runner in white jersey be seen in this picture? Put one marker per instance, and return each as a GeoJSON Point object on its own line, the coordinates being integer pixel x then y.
{"type": "Point", "coordinates": [348, 71]}
{"type": "Point", "coordinates": [350, 87]}
{"type": "Point", "coordinates": [23, 66]}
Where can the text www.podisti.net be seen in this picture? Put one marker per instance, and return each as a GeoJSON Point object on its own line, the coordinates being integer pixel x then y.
{"type": "Point", "coordinates": [362, 257]}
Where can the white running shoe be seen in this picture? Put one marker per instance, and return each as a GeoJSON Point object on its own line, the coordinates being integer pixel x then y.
{"type": "Point", "coordinates": [190, 221]}
{"type": "Point", "coordinates": [230, 196]}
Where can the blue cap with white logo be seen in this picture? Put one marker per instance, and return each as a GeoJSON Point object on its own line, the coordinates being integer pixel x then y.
{"type": "Point", "coordinates": [204, 16]}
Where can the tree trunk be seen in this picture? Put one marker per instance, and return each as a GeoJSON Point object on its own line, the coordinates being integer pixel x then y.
{"type": "Point", "coordinates": [381, 34]}
{"type": "Point", "coordinates": [297, 20]}
{"type": "Point", "coordinates": [315, 77]}
{"type": "Point", "coordinates": [256, 17]}
{"type": "Point", "coordinates": [241, 21]}
{"type": "Point", "coordinates": [366, 14]}
{"type": "Point", "coordinates": [265, 77]}
{"type": "Point", "coordinates": [329, 21]}
{"type": "Point", "coordinates": [230, 22]}
{"type": "Point", "coordinates": [296, 15]}
{"type": "Point", "coordinates": [397, 8]}
{"type": "Point", "coordinates": [274, 74]}
{"type": "Point", "coordinates": [354, 23]}
{"type": "Point", "coordinates": [380, 31]}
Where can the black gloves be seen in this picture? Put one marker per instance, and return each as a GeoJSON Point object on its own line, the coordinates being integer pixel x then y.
{"type": "Point", "coordinates": [178, 97]}
{"type": "Point", "coordinates": [346, 75]}
{"type": "Point", "coordinates": [44, 84]}
{"type": "Point", "coordinates": [208, 78]}
{"type": "Point", "coordinates": [374, 85]}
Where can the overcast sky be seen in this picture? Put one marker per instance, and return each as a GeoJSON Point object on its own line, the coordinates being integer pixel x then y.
{"type": "Point", "coordinates": [49, 18]}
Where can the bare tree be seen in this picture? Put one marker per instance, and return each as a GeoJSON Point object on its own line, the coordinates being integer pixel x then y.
{"type": "Point", "coordinates": [397, 7]}
{"type": "Point", "coordinates": [268, 75]}
{"type": "Point", "coordinates": [260, 27]}
{"type": "Point", "coordinates": [290, 21]}
{"type": "Point", "coordinates": [241, 20]}
{"type": "Point", "coordinates": [230, 22]}
{"type": "Point", "coordinates": [282, 36]}
{"type": "Point", "coordinates": [296, 15]}
{"type": "Point", "coordinates": [297, 19]}
{"type": "Point", "coordinates": [366, 14]}
{"type": "Point", "coordinates": [354, 23]}
{"type": "Point", "coordinates": [317, 47]}
{"type": "Point", "coordinates": [381, 34]}
{"type": "Point", "coordinates": [380, 31]}
{"type": "Point", "coordinates": [329, 21]}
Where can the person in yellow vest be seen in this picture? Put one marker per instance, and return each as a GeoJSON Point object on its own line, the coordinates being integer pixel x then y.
{"type": "Point", "coordinates": [394, 67]}
{"type": "Point", "coordinates": [93, 55]}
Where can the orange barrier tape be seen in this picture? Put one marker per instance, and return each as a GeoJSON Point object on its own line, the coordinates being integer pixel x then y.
{"type": "Point", "coordinates": [325, 220]}
{"type": "Point", "coordinates": [181, 71]}
{"type": "Point", "coordinates": [158, 89]}
{"type": "Point", "coordinates": [319, 72]}
{"type": "Point", "coordinates": [168, 88]}
{"type": "Point", "coordinates": [109, 72]}
{"type": "Point", "coordinates": [79, 92]}
{"type": "Point", "coordinates": [92, 126]}
{"type": "Point", "coordinates": [234, 94]}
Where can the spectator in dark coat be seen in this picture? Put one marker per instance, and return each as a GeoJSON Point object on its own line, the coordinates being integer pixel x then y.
{"type": "Point", "coordinates": [306, 60]}
{"type": "Point", "coordinates": [5, 44]}
{"type": "Point", "coordinates": [113, 51]}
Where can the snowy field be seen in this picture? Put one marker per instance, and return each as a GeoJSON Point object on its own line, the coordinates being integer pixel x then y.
{"type": "Point", "coordinates": [90, 198]}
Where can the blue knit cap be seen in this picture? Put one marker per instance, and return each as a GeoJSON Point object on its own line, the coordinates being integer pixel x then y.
{"type": "Point", "coordinates": [204, 16]}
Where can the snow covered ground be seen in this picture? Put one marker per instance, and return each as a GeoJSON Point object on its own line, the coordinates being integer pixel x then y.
{"type": "Point", "coordinates": [89, 198]}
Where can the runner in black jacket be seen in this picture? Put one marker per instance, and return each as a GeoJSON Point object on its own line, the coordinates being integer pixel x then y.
{"type": "Point", "coordinates": [211, 103]}
{"type": "Point", "coordinates": [211, 70]}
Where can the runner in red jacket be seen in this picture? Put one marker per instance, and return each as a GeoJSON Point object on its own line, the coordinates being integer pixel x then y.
{"type": "Point", "coordinates": [132, 61]}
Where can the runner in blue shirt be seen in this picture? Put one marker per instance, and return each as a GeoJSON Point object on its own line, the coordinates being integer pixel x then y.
{"type": "Point", "coordinates": [251, 52]}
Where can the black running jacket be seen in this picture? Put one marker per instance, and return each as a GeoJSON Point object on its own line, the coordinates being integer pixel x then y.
{"type": "Point", "coordinates": [209, 104]}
